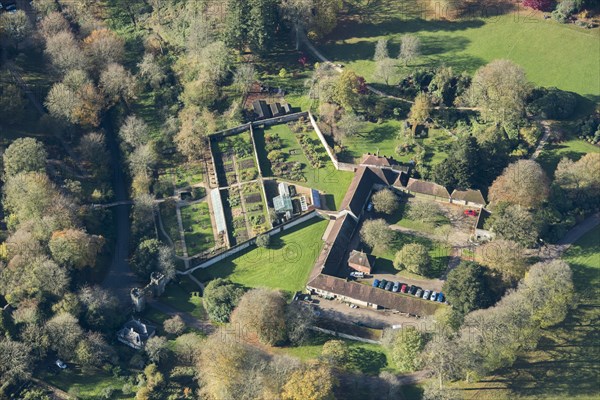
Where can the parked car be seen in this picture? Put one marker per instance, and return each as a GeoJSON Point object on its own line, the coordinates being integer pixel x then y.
{"type": "Point", "coordinates": [413, 289]}
{"type": "Point", "coordinates": [440, 297]}
{"type": "Point", "coordinates": [370, 207]}
{"type": "Point", "coordinates": [357, 274]}
{"type": "Point", "coordinates": [60, 364]}
{"type": "Point", "coordinates": [382, 284]}
{"type": "Point", "coordinates": [471, 213]}
{"type": "Point", "coordinates": [426, 294]}
{"type": "Point", "coordinates": [396, 287]}
{"type": "Point", "coordinates": [433, 296]}
{"type": "Point", "coordinates": [376, 283]}
{"type": "Point", "coordinates": [419, 292]}
{"type": "Point", "coordinates": [404, 288]}
{"type": "Point", "coordinates": [389, 286]}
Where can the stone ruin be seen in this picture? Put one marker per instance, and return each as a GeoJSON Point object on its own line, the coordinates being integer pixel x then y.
{"type": "Point", "coordinates": [155, 288]}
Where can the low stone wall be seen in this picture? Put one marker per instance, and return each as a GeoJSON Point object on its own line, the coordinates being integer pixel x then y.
{"type": "Point", "coordinates": [343, 335]}
{"type": "Point", "coordinates": [280, 120]}
{"type": "Point", "coordinates": [323, 141]}
{"type": "Point", "coordinates": [242, 246]}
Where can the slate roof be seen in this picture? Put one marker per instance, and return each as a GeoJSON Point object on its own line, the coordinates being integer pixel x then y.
{"type": "Point", "coordinates": [470, 195]}
{"type": "Point", "coordinates": [361, 258]}
{"type": "Point", "coordinates": [358, 193]}
{"type": "Point", "coordinates": [262, 109]}
{"type": "Point", "coordinates": [135, 333]}
{"type": "Point", "coordinates": [369, 294]}
{"type": "Point", "coordinates": [377, 161]}
{"type": "Point", "coordinates": [424, 187]}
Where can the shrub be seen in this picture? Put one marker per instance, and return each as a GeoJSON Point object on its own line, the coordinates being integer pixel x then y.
{"type": "Point", "coordinates": [542, 5]}
{"type": "Point", "coordinates": [551, 103]}
{"type": "Point", "coordinates": [263, 240]}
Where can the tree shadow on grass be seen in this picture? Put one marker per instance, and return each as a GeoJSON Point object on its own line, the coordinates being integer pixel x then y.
{"type": "Point", "coordinates": [366, 361]}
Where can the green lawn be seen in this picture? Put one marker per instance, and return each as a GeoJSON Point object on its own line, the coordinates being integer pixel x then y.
{"type": "Point", "coordinates": [571, 148]}
{"type": "Point", "coordinates": [565, 364]}
{"type": "Point", "coordinates": [535, 44]}
{"type": "Point", "coordinates": [439, 252]}
{"type": "Point", "coordinates": [327, 179]}
{"type": "Point", "coordinates": [400, 218]}
{"type": "Point", "coordinates": [383, 138]}
{"type": "Point", "coordinates": [199, 235]}
{"type": "Point", "coordinates": [168, 216]}
{"type": "Point", "coordinates": [87, 384]}
{"type": "Point", "coordinates": [364, 357]}
{"type": "Point", "coordinates": [285, 265]}
{"type": "Point", "coordinates": [179, 295]}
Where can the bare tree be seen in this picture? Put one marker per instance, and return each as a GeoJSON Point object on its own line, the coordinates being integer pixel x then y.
{"type": "Point", "coordinates": [410, 48]}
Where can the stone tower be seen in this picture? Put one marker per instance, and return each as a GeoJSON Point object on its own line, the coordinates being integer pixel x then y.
{"type": "Point", "coordinates": [138, 297]}
{"type": "Point", "coordinates": [158, 282]}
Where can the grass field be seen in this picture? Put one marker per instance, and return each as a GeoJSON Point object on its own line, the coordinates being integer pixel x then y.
{"type": "Point", "coordinates": [565, 364]}
{"type": "Point", "coordinates": [327, 179]}
{"type": "Point", "coordinates": [285, 265]}
{"type": "Point", "coordinates": [85, 385]}
{"type": "Point", "coordinates": [179, 295]}
{"type": "Point", "coordinates": [572, 148]}
{"type": "Point", "coordinates": [168, 216]}
{"type": "Point", "coordinates": [535, 44]}
{"type": "Point", "coordinates": [198, 229]}
{"type": "Point", "coordinates": [439, 253]}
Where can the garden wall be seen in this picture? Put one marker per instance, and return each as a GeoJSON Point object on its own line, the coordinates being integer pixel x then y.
{"type": "Point", "coordinates": [242, 246]}
{"type": "Point", "coordinates": [338, 165]}
{"type": "Point", "coordinates": [343, 335]}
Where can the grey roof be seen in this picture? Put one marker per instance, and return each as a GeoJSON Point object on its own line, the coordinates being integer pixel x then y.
{"type": "Point", "coordinates": [424, 187]}
{"type": "Point", "coordinates": [369, 294]}
{"type": "Point", "coordinates": [360, 188]}
{"type": "Point", "coordinates": [470, 195]}
{"type": "Point", "coordinates": [217, 205]}
{"type": "Point", "coordinates": [337, 244]}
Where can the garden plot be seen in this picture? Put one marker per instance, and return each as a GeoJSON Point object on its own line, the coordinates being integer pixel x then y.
{"type": "Point", "coordinates": [187, 176]}
{"type": "Point", "coordinates": [168, 216]}
{"type": "Point", "coordinates": [247, 215]}
{"type": "Point", "coordinates": [197, 226]}
{"type": "Point", "coordinates": [295, 154]}
{"type": "Point", "coordinates": [234, 159]}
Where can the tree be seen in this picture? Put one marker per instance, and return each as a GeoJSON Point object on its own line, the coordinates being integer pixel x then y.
{"type": "Point", "coordinates": [200, 93]}
{"type": "Point", "coordinates": [549, 288]}
{"type": "Point", "coordinates": [64, 333]}
{"type": "Point", "coordinates": [15, 362]}
{"type": "Point", "coordinates": [541, 5]}
{"type": "Point", "coordinates": [385, 201]}
{"type": "Point", "coordinates": [166, 262]}
{"type": "Point", "coordinates": [515, 224]}
{"type": "Point", "coordinates": [261, 312]}
{"type": "Point", "coordinates": [24, 155]}
{"type": "Point", "coordinates": [15, 26]}
{"type": "Point", "coordinates": [44, 7]}
{"type": "Point", "coordinates": [188, 347]}
{"type": "Point", "coordinates": [462, 167]}
{"type": "Point", "coordinates": [191, 140]}
{"type": "Point", "coordinates": [406, 349]}
{"type": "Point", "coordinates": [103, 47]}
{"type": "Point", "coordinates": [92, 148]}
{"type": "Point", "coordinates": [499, 89]}
{"type": "Point", "coordinates": [348, 89]}
{"type": "Point", "coordinates": [157, 348]}
{"type": "Point", "coordinates": [174, 325]}
{"type": "Point", "coordinates": [244, 77]}
{"type": "Point", "coordinates": [466, 288]}
{"type": "Point", "coordinates": [551, 103]}
{"type": "Point", "coordinates": [263, 240]}
{"type": "Point", "coordinates": [381, 50]}
{"type": "Point", "coordinates": [314, 382]}
{"type": "Point", "coordinates": [504, 256]}
{"type": "Point", "coordinates": [52, 24]}
{"type": "Point", "coordinates": [134, 132]}
{"type": "Point", "coordinates": [142, 159]}
{"type": "Point", "coordinates": [75, 248]}
{"type": "Point", "coordinates": [410, 48]}
{"type": "Point", "coordinates": [579, 180]}
{"type": "Point", "coordinates": [434, 392]}
{"type": "Point", "coordinates": [523, 183]}
{"type": "Point", "coordinates": [151, 71]}
{"type": "Point", "coordinates": [298, 321]}
{"type": "Point", "coordinates": [413, 257]}
{"type": "Point", "coordinates": [420, 110]}
{"type": "Point", "coordinates": [427, 212]}
{"type": "Point", "coordinates": [377, 233]}
{"type": "Point", "coordinates": [220, 297]}
{"type": "Point", "coordinates": [145, 258]}
{"type": "Point", "coordinates": [100, 307]}
{"type": "Point", "coordinates": [118, 83]}
{"type": "Point", "coordinates": [64, 52]}
{"type": "Point", "coordinates": [335, 353]}
{"type": "Point", "coordinates": [386, 69]}
{"type": "Point", "coordinates": [93, 351]}
{"type": "Point", "coordinates": [350, 125]}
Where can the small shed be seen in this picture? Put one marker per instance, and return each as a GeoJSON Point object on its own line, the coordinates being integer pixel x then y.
{"type": "Point", "coordinates": [468, 197]}
{"type": "Point", "coordinates": [261, 109]}
{"type": "Point", "coordinates": [315, 198]}
{"type": "Point", "coordinates": [361, 261]}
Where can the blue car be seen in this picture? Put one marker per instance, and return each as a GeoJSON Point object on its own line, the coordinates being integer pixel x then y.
{"type": "Point", "coordinates": [440, 297]}
{"type": "Point", "coordinates": [382, 284]}
{"type": "Point", "coordinates": [376, 283]}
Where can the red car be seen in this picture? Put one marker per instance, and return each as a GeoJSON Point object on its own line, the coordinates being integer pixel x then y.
{"type": "Point", "coordinates": [404, 289]}
{"type": "Point", "coordinates": [471, 213]}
